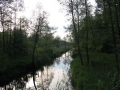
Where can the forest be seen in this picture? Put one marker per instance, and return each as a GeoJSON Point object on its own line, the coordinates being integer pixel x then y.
{"type": "Point", "coordinates": [94, 40]}
{"type": "Point", "coordinates": [25, 45]}
{"type": "Point", "coordinates": [95, 31]}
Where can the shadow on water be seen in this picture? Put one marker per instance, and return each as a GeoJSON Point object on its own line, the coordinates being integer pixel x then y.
{"type": "Point", "coordinates": [53, 77]}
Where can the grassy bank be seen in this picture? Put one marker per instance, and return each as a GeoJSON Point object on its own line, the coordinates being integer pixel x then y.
{"type": "Point", "coordinates": [14, 68]}
{"type": "Point", "coordinates": [99, 75]}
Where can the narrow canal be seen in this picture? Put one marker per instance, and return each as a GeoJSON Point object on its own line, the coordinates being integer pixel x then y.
{"type": "Point", "coordinates": [54, 77]}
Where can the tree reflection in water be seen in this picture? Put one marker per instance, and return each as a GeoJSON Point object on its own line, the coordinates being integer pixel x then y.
{"type": "Point", "coordinates": [34, 79]}
{"type": "Point", "coordinates": [54, 77]}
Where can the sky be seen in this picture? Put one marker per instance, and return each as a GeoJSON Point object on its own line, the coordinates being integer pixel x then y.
{"type": "Point", "coordinates": [57, 17]}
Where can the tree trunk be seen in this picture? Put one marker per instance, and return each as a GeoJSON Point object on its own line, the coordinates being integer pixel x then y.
{"type": "Point", "coordinates": [2, 22]}
{"type": "Point", "coordinates": [117, 17]}
{"type": "Point", "coordinates": [119, 9]}
{"type": "Point", "coordinates": [86, 33]}
{"type": "Point", "coordinates": [34, 48]}
{"type": "Point", "coordinates": [10, 40]}
{"type": "Point", "coordinates": [76, 34]}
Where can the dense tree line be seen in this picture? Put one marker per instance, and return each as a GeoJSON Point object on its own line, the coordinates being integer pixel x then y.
{"type": "Point", "coordinates": [25, 45]}
{"type": "Point", "coordinates": [15, 40]}
{"type": "Point", "coordinates": [95, 34]}
{"type": "Point", "coordinates": [98, 31]}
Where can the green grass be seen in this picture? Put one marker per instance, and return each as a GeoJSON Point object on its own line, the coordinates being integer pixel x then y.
{"type": "Point", "coordinates": [99, 75]}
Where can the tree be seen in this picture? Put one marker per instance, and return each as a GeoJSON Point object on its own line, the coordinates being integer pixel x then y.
{"type": "Point", "coordinates": [5, 19]}
{"type": "Point", "coordinates": [111, 6]}
{"type": "Point", "coordinates": [86, 23]}
{"type": "Point", "coordinates": [78, 10]}
{"type": "Point", "coordinates": [114, 38]}
{"type": "Point", "coordinates": [74, 10]}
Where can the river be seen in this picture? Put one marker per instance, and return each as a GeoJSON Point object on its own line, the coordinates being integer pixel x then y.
{"type": "Point", "coordinates": [54, 77]}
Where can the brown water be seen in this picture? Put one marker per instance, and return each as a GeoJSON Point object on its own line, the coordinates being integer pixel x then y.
{"type": "Point", "coordinates": [54, 77]}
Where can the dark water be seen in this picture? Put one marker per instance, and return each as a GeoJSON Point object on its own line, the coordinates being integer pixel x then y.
{"type": "Point", "coordinates": [54, 77]}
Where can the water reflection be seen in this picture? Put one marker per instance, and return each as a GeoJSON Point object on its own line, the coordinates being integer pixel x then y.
{"type": "Point", "coordinates": [61, 80]}
{"type": "Point", "coordinates": [54, 77]}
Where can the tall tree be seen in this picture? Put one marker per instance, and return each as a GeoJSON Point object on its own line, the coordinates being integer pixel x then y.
{"type": "Point", "coordinates": [39, 26]}
{"type": "Point", "coordinates": [86, 23]}
{"type": "Point", "coordinates": [74, 10]}
{"type": "Point", "coordinates": [4, 18]}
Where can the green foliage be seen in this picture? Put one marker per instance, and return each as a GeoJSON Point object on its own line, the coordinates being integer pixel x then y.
{"type": "Point", "coordinates": [20, 52]}
{"type": "Point", "coordinates": [100, 75]}
{"type": "Point", "coordinates": [100, 37]}
{"type": "Point", "coordinates": [17, 57]}
{"type": "Point", "coordinates": [20, 45]}
{"type": "Point", "coordinates": [96, 37]}
{"type": "Point", "coordinates": [14, 68]}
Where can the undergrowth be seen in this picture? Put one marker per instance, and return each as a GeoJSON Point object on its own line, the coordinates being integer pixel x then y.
{"type": "Point", "coordinates": [99, 75]}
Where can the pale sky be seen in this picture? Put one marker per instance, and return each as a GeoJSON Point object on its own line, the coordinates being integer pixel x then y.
{"type": "Point", "coordinates": [56, 17]}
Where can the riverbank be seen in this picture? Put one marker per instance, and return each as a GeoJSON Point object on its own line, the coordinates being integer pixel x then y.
{"type": "Point", "coordinates": [15, 68]}
{"type": "Point", "coordinates": [99, 75]}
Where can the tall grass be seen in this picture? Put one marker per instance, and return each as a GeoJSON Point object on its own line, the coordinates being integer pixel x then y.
{"type": "Point", "coordinates": [99, 75]}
